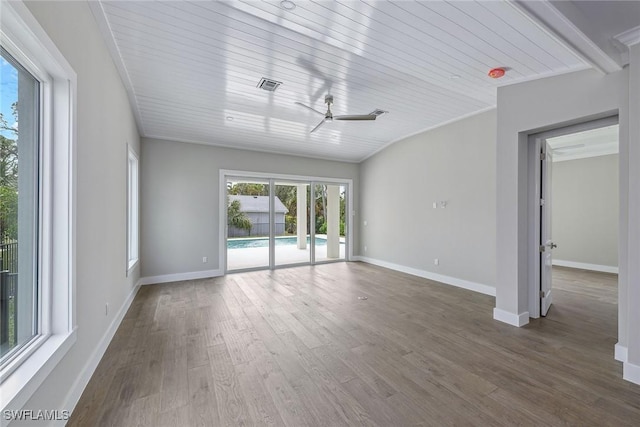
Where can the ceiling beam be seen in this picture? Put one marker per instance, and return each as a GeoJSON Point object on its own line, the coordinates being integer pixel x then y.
{"type": "Point", "coordinates": [573, 31]}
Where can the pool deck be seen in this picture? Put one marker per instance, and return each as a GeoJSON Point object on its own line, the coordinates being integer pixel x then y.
{"type": "Point", "coordinates": [242, 258]}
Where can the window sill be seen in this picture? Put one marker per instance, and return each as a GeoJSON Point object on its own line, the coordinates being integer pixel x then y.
{"type": "Point", "coordinates": [24, 380]}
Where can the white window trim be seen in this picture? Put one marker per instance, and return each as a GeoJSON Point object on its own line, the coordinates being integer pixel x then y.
{"type": "Point", "coordinates": [23, 37]}
{"type": "Point", "coordinates": [132, 261]}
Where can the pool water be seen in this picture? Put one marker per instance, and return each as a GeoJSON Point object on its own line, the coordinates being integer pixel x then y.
{"type": "Point", "coordinates": [264, 242]}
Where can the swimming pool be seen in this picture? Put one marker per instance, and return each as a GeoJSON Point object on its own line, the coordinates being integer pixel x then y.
{"type": "Point", "coordinates": [264, 242]}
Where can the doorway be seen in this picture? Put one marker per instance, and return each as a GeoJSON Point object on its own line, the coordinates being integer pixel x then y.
{"type": "Point", "coordinates": [582, 201]}
{"type": "Point", "coordinates": [273, 221]}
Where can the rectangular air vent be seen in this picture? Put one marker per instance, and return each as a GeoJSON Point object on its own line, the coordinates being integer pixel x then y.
{"type": "Point", "coordinates": [377, 112]}
{"type": "Point", "coordinates": [268, 85]}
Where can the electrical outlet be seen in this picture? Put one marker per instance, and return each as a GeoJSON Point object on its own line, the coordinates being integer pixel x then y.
{"type": "Point", "coordinates": [436, 261]}
{"type": "Point", "coordinates": [365, 249]}
{"type": "Point", "coordinates": [204, 259]}
{"type": "Point", "coordinates": [435, 205]}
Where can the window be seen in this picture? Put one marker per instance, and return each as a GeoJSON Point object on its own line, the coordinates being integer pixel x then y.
{"type": "Point", "coordinates": [132, 210]}
{"type": "Point", "coordinates": [37, 169]}
{"type": "Point", "coordinates": [19, 207]}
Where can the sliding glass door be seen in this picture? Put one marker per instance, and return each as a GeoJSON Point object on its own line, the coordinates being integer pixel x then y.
{"type": "Point", "coordinates": [291, 210]}
{"type": "Point", "coordinates": [248, 223]}
{"type": "Point", "coordinates": [275, 222]}
{"type": "Point", "coordinates": [330, 222]}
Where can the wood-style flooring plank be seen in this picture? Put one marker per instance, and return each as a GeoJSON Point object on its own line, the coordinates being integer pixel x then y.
{"type": "Point", "coordinates": [231, 404]}
{"type": "Point", "coordinates": [175, 388]}
{"type": "Point", "coordinates": [203, 410]}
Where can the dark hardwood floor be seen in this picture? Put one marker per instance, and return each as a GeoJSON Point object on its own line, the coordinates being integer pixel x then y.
{"type": "Point", "coordinates": [297, 347]}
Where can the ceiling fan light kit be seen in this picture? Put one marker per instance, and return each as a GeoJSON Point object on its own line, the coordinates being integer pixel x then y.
{"type": "Point", "coordinates": [329, 117]}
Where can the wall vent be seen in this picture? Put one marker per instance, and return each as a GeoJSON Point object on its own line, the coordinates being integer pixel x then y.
{"type": "Point", "coordinates": [268, 84]}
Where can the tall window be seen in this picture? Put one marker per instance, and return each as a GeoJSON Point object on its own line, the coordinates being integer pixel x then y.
{"type": "Point", "coordinates": [37, 205]}
{"type": "Point", "coordinates": [19, 206]}
{"type": "Point", "coordinates": [132, 210]}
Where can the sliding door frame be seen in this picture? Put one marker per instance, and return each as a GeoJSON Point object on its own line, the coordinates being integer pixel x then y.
{"type": "Point", "coordinates": [272, 177]}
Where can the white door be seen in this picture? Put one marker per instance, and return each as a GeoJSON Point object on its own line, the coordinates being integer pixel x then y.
{"type": "Point", "coordinates": [546, 243]}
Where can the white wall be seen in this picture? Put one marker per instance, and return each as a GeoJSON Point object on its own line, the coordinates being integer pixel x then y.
{"type": "Point", "coordinates": [585, 211]}
{"type": "Point", "coordinates": [533, 107]}
{"type": "Point", "coordinates": [454, 163]}
{"type": "Point", "coordinates": [105, 126]}
{"type": "Point", "coordinates": [180, 199]}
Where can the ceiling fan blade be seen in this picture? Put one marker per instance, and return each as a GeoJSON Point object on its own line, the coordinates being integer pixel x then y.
{"type": "Point", "coordinates": [309, 108]}
{"type": "Point", "coordinates": [356, 117]}
{"type": "Point", "coordinates": [317, 127]}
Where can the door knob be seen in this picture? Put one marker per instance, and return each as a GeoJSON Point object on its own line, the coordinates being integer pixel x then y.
{"type": "Point", "coordinates": [553, 245]}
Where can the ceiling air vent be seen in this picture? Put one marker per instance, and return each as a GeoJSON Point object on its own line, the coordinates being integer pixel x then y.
{"type": "Point", "coordinates": [377, 112]}
{"type": "Point", "coordinates": [268, 85]}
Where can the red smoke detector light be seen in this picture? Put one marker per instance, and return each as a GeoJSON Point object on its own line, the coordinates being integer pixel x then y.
{"type": "Point", "coordinates": [496, 73]}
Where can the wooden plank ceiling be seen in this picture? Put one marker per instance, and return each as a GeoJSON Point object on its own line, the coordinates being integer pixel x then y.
{"type": "Point", "coordinates": [192, 68]}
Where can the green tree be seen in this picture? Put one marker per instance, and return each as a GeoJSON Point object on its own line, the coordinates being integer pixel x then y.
{"type": "Point", "coordinates": [288, 195]}
{"type": "Point", "coordinates": [9, 178]}
{"type": "Point", "coordinates": [8, 214]}
{"type": "Point", "coordinates": [237, 218]}
{"type": "Point", "coordinates": [249, 189]}
{"type": "Point", "coordinates": [321, 208]}
{"type": "Point", "coordinates": [8, 162]}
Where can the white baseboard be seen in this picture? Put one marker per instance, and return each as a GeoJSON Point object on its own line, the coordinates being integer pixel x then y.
{"type": "Point", "coordinates": [460, 283]}
{"type": "Point", "coordinates": [89, 368]}
{"type": "Point", "coordinates": [586, 266]}
{"type": "Point", "coordinates": [620, 352]}
{"type": "Point", "coordinates": [631, 372]}
{"type": "Point", "coordinates": [511, 318]}
{"type": "Point", "coordinates": [177, 277]}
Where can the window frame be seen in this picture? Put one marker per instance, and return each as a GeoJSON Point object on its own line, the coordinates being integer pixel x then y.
{"type": "Point", "coordinates": [27, 42]}
{"type": "Point", "coordinates": [133, 209]}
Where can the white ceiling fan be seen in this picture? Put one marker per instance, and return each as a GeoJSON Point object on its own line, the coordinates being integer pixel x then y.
{"type": "Point", "coordinates": [328, 116]}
